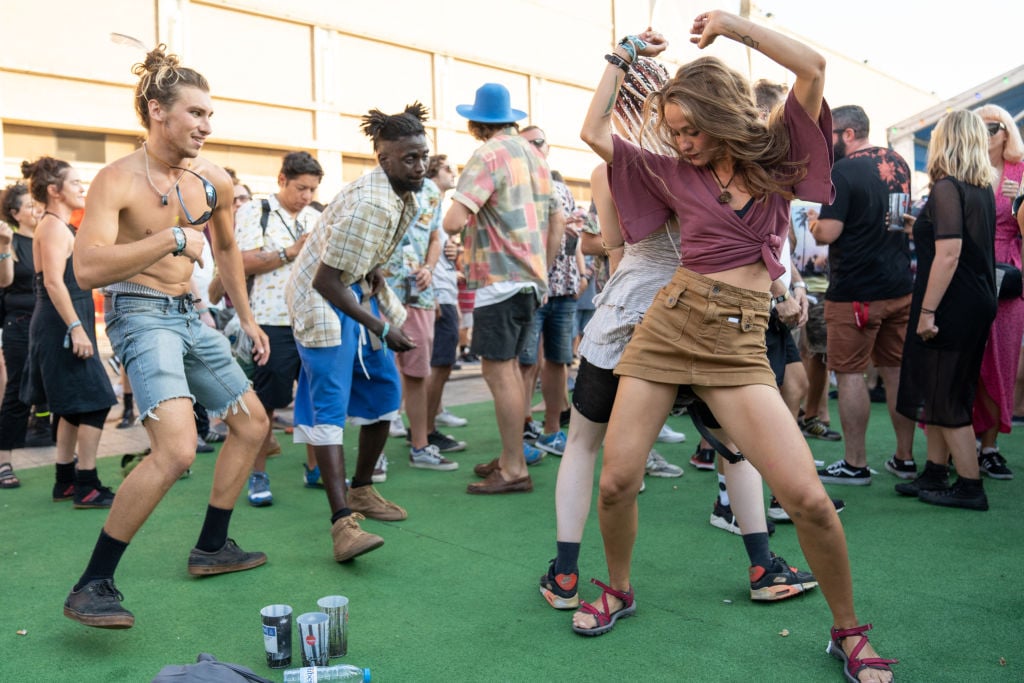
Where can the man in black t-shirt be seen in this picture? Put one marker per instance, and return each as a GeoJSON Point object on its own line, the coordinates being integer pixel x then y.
{"type": "Point", "coordinates": [867, 304]}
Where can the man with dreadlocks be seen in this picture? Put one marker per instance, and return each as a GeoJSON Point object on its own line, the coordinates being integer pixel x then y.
{"type": "Point", "coordinates": [171, 358]}
{"type": "Point", "coordinates": [505, 202]}
{"type": "Point", "coordinates": [337, 294]}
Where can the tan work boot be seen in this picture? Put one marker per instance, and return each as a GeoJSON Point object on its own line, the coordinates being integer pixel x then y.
{"type": "Point", "coordinates": [366, 500]}
{"type": "Point", "coordinates": [351, 541]}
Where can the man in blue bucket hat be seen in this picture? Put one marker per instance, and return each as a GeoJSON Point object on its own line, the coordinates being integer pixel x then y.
{"type": "Point", "coordinates": [512, 225]}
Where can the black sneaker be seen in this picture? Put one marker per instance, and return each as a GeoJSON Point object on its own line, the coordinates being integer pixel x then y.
{"type": "Point", "coordinates": [722, 518]}
{"type": "Point", "coordinates": [560, 590]}
{"type": "Point", "coordinates": [703, 459]}
{"type": "Point", "coordinates": [817, 429]}
{"type": "Point", "coordinates": [532, 430]}
{"type": "Point", "coordinates": [904, 469]}
{"type": "Point", "coordinates": [563, 417]}
{"type": "Point", "coordinates": [778, 582]}
{"type": "Point", "coordinates": [93, 496]}
{"type": "Point", "coordinates": [840, 472]}
{"type": "Point", "coordinates": [445, 443]}
{"type": "Point", "coordinates": [777, 513]}
{"type": "Point", "coordinates": [63, 491]}
{"type": "Point", "coordinates": [98, 603]}
{"type": "Point", "coordinates": [959, 495]}
{"type": "Point", "coordinates": [994, 465]}
{"type": "Point", "coordinates": [228, 559]}
{"type": "Point", "coordinates": [933, 478]}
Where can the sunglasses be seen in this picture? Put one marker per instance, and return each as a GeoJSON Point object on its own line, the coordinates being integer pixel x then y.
{"type": "Point", "coordinates": [211, 198]}
{"type": "Point", "coordinates": [994, 127]}
{"type": "Point", "coordinates": [242, 198]}
{"type": "Point", "coordinates": [538, 143]}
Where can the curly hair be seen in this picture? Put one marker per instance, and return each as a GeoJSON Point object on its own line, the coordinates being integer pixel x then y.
{"type": "Point", "coordinates": [42, 173]}
{"type": "Point", "coordinates": [380, 126]}
{"type": "Point", "coordinates": [161, 76]}
{"type": "Point", "coordinates": [10, 201]}
{"type": "Point", "coordinates": [717, 100]}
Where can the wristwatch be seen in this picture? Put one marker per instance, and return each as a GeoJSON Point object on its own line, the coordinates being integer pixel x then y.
{"type": "Point", "coordinates": [780, 298]}
{"type": "Point", "coordinates": [179, 240]}
{"type": "Point", "coordinates": [283, 255]}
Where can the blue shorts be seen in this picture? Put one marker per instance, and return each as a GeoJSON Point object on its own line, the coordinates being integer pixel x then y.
{"type": "Point", "coordinates": [169, 353]}
{"type": "Point", "coordinates": [351, 380]}
{"type": "Point", "coordinates": [555, 321]}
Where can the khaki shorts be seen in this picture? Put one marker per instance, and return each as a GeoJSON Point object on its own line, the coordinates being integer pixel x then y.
{"type": "Point", "coordinates": [701, 332]}
{"type": "Point", "coordinates": [878, 340]}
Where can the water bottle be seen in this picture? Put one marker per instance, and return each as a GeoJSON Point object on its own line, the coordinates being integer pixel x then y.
{"type": "Point", "coordinates": [338, 672]}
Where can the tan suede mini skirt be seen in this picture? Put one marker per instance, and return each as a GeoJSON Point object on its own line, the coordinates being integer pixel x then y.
{"type": "Point", "coordinates": [701, 332]}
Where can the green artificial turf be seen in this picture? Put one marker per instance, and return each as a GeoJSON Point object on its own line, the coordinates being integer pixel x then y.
{"type": "Point", "coordinates": [452, 595]}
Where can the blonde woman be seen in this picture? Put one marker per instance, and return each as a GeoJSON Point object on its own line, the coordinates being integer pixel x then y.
{"type": "Point", "coordinates": [952, 309]}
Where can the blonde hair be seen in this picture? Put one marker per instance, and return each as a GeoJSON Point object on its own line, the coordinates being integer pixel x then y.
{"type": "Point", "coordinates": [718, 100]}
{"type": "Point", "coordinates": [959, 148]}
{"type": "Point", "coordinates": [1013, 150]}
{"type": "Point", "coordinates": [161, 76]}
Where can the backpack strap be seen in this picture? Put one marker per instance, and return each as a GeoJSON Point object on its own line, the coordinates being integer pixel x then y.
{"type": "Point", "coordinates": [264, 214]}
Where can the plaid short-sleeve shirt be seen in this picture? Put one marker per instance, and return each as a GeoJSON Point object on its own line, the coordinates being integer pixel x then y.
{"type": "Point", "coordinates": [507, 186]}
{"type": "Point", "coordinates": [357, 232]}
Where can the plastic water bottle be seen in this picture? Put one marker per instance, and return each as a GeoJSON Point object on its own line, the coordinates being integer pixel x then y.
{"type": "Point", "coordinates": [338, 672]}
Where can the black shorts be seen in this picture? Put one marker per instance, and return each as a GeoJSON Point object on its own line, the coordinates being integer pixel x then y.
{"type": "Point", "coordinates": [500, 330]}
{"type": "Point", "coordinates": [446, 336]}
{"type": "Point", "coordinates": [274, 382]}
{"type": "Point", "coordinates": [781, 348]}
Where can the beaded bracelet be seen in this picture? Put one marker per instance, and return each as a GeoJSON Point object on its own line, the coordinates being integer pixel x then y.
{"type": "Point", "coordinates": [632, 45]}
{"type": "Point", "coordinates": [618, 61]}
{"type": "Point", "coordinates": [927, 310]}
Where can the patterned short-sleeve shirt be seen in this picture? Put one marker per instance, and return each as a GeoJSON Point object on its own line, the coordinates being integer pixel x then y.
{"type": "Point", "coordinates": [411, 253]}
{"type": "Point", "coordinates": [267, 297]}
{"type": "Point", "coordinates": [507, 186]}
{"type": "Point", "coordinates": [357, 232]}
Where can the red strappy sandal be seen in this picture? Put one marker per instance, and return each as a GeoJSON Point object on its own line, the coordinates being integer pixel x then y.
{"type": "Point", "coordinates": [605, 620]}
{"type": "Point", "coordinates": [852, 663]}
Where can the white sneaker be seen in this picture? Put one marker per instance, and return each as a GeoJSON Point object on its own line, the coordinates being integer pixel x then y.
{"type": "Point", "coordinates": [380, 470]}
{"type": "Point", "coordinates": [669, 435]}
{"type": "Point", "coordinates": [446, 419]}
{"type": "Point", "coordinates": [397, 430]}
{"type": "Point", "coordinates": [657, 466]}
{"type": "Point", "coordinates": [430, 458]}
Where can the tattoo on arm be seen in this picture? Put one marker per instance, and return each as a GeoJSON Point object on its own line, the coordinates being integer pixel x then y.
{"type": "Point", "coordinates": [747, 40]}
{"type": "Point", "coordinates": [611, 98]}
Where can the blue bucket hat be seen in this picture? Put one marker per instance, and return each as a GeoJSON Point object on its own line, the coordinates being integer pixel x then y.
{"type": "Point", "coordinates": [491, 106]}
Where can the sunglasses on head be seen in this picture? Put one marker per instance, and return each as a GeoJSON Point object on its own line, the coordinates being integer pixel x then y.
{"type": "Point", "coordinates": [211, 198]}
{"type": "Point", "coordinates": [994, 127]}
{"type": "Point", "coordinates": [538, 143]}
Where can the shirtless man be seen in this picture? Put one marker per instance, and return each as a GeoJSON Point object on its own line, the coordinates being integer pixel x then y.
{"type": "Point", "coordinates": [172, 359]}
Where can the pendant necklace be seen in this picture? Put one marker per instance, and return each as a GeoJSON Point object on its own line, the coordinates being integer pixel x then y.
{"type": "Point", "coordinates": [725, 197]}
{"type": "Point", "coordinates": [163, 195]}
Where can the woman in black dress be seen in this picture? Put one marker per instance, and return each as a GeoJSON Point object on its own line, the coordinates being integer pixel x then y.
{"type": "Point", "coordinates": [63, 356]}
{"type": "Point", "coordinates": [20, 212]}
{"type": "Point", "coordinates": [952, 309]}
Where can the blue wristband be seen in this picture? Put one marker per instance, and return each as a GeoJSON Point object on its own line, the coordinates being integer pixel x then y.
{"type": "Point", "coordinates": [384, 333]}
{"type": "Point", "coordinates": [67, 335]}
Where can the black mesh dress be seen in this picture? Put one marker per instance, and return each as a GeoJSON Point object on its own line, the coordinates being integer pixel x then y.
{"type": "Point", "coordinates": [938, 377]}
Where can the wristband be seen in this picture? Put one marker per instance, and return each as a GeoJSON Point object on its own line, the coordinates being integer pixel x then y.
{"type": "Point", "coordinates": [780, 298]}
{"type": "Point", "coordinates": [67, 335]}
{"type": "Point", "coordinates": [179, 240]}
{"type": "Point", "coordinates": [384, 333]}
{"type": "Point", "coordinates": [4, 256]}
{"type": "Point", "coordinates": [283, 255]}
{"type": "Point", "coordinates": [802, 285]}
{"type": "Point", "coordinates": [200, 311]}
{"type": "Point", "coordinates": [604, 245]}
{"type": "Point", "coordinates": [928, 310]}
{"type": "Point", "coordinates": [617, 61]}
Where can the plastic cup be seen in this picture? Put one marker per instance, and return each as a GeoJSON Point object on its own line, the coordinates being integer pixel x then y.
{"type": "Point", "coordinates": [313, 636]}
{"type": "Point", "coordinates": [336, 607]}
{"type": "Point", "coordinates": [277, 635]}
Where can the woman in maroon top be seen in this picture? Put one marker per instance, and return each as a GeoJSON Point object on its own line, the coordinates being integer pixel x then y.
{"type": "Point", "coordinates": [730, 186]}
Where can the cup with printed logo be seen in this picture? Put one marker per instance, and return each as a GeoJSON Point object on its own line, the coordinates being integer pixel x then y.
{"type": "Point", "coordinates": [336, 607]}
{"type": "Point", "coordinates": [313, 637]}
{"type": "Point", "coordinates": [277, 635]}
{"type": "Point", "coordinates": [899, 205]}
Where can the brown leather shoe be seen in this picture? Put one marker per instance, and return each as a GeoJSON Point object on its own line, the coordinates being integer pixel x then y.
{"type": "Point", "coordinates": [350, 540]}
{"type": "Point", "coordinates": [484, 469]}
{"type": "Point", "coordinates": [366, 500]}
{"type": "Point", "coordinates": [495, 483]}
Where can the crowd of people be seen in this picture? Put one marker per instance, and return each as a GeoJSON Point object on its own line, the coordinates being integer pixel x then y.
{"type": "Point", "coordinates": [676, 291]}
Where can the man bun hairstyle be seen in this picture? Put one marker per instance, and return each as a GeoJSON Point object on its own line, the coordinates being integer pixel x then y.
{"type": "Point", "coordinates": [379, 126]}
{"type": "Point", "coordinates": [160, 78]}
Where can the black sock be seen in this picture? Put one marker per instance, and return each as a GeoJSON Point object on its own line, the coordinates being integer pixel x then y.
{"type": "Point", "coordinates": [129, 402]}
{"type": "Point", "coordinates": [343, 512]}
{"type": "Point", "coordinates": [105, 558]}
{"type": "Point", "coordinates": [65, 473]}
{"type": "Point", "coordinates": [566, 562]}
{"type": "Point", "coordinates": [87, 478]}
{"type": "Point", "coordinates": [215, 530]}
{"type": "Point", "coordinates": [357, 483]}
{"type": "Point", "coordinates": [757, 549]}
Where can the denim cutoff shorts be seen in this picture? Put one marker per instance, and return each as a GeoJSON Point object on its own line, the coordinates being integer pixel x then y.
{"type": "Point", "coordinates": [169, 353]}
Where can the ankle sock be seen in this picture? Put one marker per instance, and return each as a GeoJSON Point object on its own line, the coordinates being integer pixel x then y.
{"type": "Point", "coordinates": [343, 512]}
{"type": "Point", "coordinates": [65, 473]}
{"type": "Point", "coordinates": [105, 557]}
{"type": "Point", "coordinates": [129, 403]}
{"type": "Point", "coordinates": [723, 494]}
{"type": "Point", "coordinates": [214, 533]}
{"type": "Point", "coordinates": [359, 483]}
{"type": "Point", "coordinates": [87, 478]}
{"type": "Point", "coordinates": [757, 549]}
{"type": "Point", "coordinates": [567, 559]}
